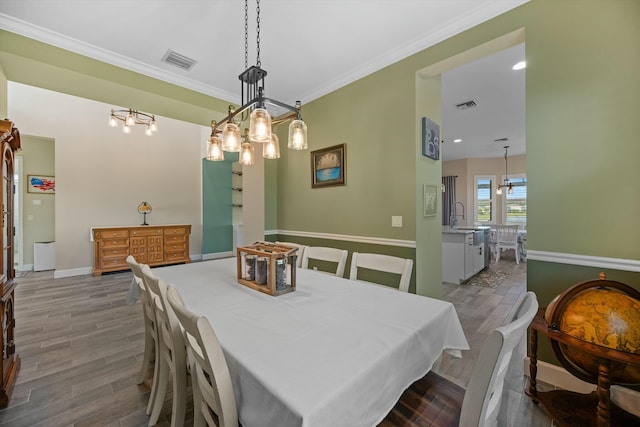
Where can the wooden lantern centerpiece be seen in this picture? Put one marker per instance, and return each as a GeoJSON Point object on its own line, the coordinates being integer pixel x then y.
{"type": "Point", "coordinates": [267, 267]}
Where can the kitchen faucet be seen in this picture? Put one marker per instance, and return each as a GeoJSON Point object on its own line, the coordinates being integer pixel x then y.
{"type": "Point", "coordinates": [454, 215]}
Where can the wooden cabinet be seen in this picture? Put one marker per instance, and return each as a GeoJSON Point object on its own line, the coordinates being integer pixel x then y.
{"type": "Point", "coordinates": [9, 362]}
{"type": "Point", "coordinates": [151, 244]}
{"type": "Point", "coordinates": [462, 255]}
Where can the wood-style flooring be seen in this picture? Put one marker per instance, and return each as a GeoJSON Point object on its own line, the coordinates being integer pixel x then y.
{"type": "Point", "coordinates": [81, 348]}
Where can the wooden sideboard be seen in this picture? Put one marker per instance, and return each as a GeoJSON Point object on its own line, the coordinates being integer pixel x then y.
{"type": "Point", "coordinates": [148, 244]}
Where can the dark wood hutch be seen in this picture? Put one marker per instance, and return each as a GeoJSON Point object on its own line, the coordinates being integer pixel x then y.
{"type": "Point", "coordinates": [10, 362]}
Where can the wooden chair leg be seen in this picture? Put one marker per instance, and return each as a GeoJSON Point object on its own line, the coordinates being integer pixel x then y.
{"type": "Point", "coordinates": [161, 392]}
{"type": "Point", "coordinates": [154, 384]}
{"type": "Point", "coordinates": [149, 350]}
{"type": "Point", "coordinates": [179, 396]}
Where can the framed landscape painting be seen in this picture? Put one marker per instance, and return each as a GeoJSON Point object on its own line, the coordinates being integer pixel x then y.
{"type": "Point", "coordinates": [328, 166]}
{"type": "Point", "coordinates": [41, 184]}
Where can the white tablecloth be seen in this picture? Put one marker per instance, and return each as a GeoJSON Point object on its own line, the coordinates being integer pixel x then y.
{"type": "Point", "coordinates": [333, 353]}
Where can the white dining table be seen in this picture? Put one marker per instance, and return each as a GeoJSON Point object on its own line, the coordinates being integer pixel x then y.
{"type": "Point", "coordinates": [335, 352]}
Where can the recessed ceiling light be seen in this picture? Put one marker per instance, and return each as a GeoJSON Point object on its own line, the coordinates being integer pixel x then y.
{"type": "Point", "coordinates": [457, 140]}
{"type": "Point", "coordinates": [520, 65]}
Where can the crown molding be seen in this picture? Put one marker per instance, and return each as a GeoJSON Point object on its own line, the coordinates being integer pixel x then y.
{"type": "Point", "coordinates": [475, 16]}
{"type": "Point", "coordinates": [43, 35]}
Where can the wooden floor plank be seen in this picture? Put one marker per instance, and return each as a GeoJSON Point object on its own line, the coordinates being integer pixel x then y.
{"type": "Point", "coordinates": [81, 348]}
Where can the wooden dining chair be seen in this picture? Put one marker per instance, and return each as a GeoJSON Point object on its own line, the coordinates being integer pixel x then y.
{"type": "Point", "coordinates": [507, 238]}
{"type": "Point", "coordinates": [300, 252]}
{"type": "Point", "coordinates": [480, 404]}
{"type": "Point", "coordinates": [333, 255]}
{"type": "Point", "coordinates": [213, 397]}
{"type": "Point", "coordinates": [172, 356]}
{"type": "Point", "coordinates": [383, 263]}
{"type": "Point", "coordinates": [150, 330]}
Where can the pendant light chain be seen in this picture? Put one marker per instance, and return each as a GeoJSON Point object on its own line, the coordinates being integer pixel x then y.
{"type": "Point", "coordinates": [246, 34]}
{"type": "Point", "coordinates": [258, 32]}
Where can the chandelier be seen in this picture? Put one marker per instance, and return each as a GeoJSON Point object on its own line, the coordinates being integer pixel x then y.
{"type": "Point", "coordinates": [508, 185]}
{"type": "Point", "coordinates": [133, 117]}
{"type": "Point", "coordinates": [225, 134]}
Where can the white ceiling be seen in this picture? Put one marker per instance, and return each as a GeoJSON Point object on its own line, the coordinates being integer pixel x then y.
{"type": "Point", "coordinates": [308, 47]}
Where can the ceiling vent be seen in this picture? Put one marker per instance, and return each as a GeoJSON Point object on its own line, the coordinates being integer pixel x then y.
{"type": "Point", "coordinates": [178, 60]}
{"type": "Point", "coordinates": [501, 140]}
{"type": "Point", "coordinates": [466, 105]}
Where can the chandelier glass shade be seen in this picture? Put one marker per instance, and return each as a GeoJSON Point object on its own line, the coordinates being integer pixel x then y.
{"type": "Point", "coordinates": [271, 149]}
{"type": "Point", "coordinates": [254, 109]}
{"type": "Point", "coordinates": [131, 118]}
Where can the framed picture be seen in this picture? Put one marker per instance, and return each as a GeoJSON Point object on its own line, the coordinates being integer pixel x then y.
{"type": "Point", "coordinates": [430, 139]}
{"type": "Point", "coordinates": [328, 166]}
{"type": "Point", "coordinates": [430, 200]}
{"type": "Point", "coordinates": [41, 184]}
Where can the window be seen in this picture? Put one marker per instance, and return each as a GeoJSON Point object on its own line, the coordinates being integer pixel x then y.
{"type": "Point", "coordinates": [484, 199]}
{"type": "Point", "coordinates": [515, 206]}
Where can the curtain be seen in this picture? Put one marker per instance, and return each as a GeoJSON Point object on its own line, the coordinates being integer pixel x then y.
{"type": "Point", "coordinates": [448, 198]}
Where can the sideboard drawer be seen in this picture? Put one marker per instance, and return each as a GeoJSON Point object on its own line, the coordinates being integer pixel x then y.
{"type": "Point", "coordinates": [108, 234]}
{"type": "Point", "coordinates": [115, 242]}
{"type": "Point", "coordinates": [175, 231]}
{"type": "Point", "coordinates": [149, 232]}
{"type": "Point", "coordinates": [175, 246]}
{"type": "Point", "coordinates": [114, 252]}
{"type": "Point", "coordinates": [114, 263]}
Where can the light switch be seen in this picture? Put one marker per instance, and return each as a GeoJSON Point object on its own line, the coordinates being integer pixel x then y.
{"type": "Point", "coordinates": [29, 217]}
{"type": "Point", "coordinates": [37, 202]}
{"type": "Point", "coordinates": [396, 221]}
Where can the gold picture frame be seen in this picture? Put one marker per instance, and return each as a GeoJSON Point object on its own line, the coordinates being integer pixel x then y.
{"type": "Point", "coordinates": [328, 166]}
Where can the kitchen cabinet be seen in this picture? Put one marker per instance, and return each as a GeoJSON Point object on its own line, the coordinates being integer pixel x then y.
{"type": "Point", "coordinates": [462, 254]}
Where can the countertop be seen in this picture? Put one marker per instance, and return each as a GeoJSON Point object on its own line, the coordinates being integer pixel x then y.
{"type": "Point", "coordinates": [462, 229]}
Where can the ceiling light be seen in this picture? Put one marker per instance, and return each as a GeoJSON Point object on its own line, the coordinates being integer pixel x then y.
{"type": "Point", "coordinates": [457, 140]}
{"type": "Point", "coordinates": [507, 184]}
{"type": "Point", "coordinates": [254, 110]}
{"type": "Point", "coordinates": [131, 118]}
{"type": "Point", "coordinates": [520, 65]}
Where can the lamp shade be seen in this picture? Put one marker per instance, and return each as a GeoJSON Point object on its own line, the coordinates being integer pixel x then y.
{"type": "Point", "coordinates": [246, 154]}
{"type": "Point", "coordinates": [214, 150]}
{"type": "Point", "coordinates": [271, 149]}
{"type": "Point", "coordinates": [297, 135]}
{"type": "Point", "coordinates": [231, 137]}
{"type": "Point", "coordinates": [260, 126]}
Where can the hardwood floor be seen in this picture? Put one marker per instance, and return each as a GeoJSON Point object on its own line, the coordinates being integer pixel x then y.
{"type": "Point", "coordinates": [81, 348]}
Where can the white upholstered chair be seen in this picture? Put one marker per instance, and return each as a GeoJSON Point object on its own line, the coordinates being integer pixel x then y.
{"type": "Point", "coordinates": [300, 252]}
{"type": "Point", "coordinates": [385, 263]}
{"type": "Point", "coordinates": [171, 357]}
{"type": "Point", "coordinates": [507, 238]}
{"type": "Point", "coordinates": [338, 256]}
{"type": "Point", "coordinates": [212, 387]}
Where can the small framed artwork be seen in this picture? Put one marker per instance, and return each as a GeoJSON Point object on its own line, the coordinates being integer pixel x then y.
{"type": "Point", "coordinates": [430, 200]}
{"type": "Point", "coordinates": [430, 139]}
{"type": "Point", "coordinates": [328, 167]}
{"type": "Point", "coordinates": [41, 184]}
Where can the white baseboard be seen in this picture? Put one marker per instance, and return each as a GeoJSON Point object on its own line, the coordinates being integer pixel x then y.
{"type": "Point", "coordinates": [217, 255]}
{"type": "Point", "coordinates": [559, 377]}
{"type": "Point", "coordinates": [58, 274]}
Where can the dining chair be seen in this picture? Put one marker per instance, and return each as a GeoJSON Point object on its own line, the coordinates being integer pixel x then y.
{"type": "Point", "coordinates": [150, 330]}
{"type": "Point", "coordinates": [172, 364]}
{"type": "Point", "coordinates": [480, 404]}
{"type": "Point", "coordinates": [213, 397]}
{"type": "Point", "coordinates": [626, 398]}
{"type": "Point", "coordinates": [320, 253]}
{"type": "Point", "coordinates": [300, 252]}
{"type": "Point", "coordinates": [507, 238]}
{"type": "Point", "coordinates": [384, 263]}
